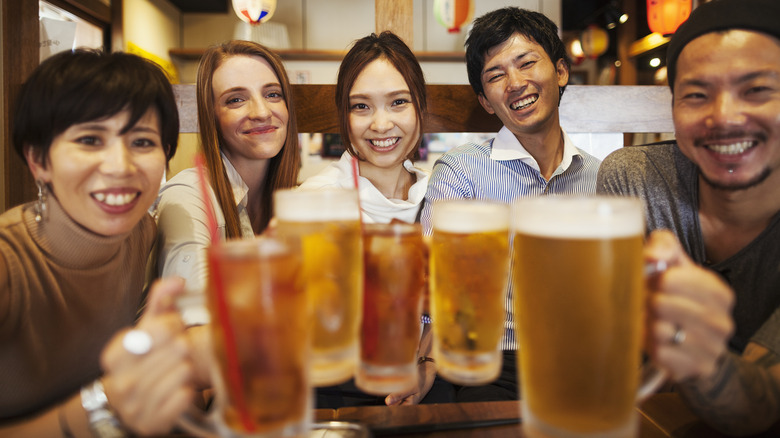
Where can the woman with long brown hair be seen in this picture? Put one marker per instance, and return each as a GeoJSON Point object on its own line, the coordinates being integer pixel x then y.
{"type": "Point", "coordinates": [381, 100]}
{"type": "Point", "coordinates": [249, 138]}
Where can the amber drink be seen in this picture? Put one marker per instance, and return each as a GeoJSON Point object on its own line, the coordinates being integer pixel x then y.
{"type": "Point", "coordinates": [392, 304]}
{"type": "Point", "coordinates": [469, 271]}
{"type": "Point", "coordinates": [328, 225]}
{"type": "Point", "coordinates": [578, 290]}
{"type": "Point", "coordinates": [260, 337]}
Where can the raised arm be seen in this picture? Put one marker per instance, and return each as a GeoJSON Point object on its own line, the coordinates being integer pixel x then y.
{"type": "Point", "coordinates": [689, 327]}
{"type": "Point", "coordinates": [183, 233]}
{"type": "Point", "coordinates": [742, 396]}
{"type": "Point", "coordinates": [146, 391]}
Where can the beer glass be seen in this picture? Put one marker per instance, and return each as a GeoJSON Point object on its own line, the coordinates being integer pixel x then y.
{"type": "Point", "coordinates": [259, 335]}
{"type": "Point", "coordinates": [395, 259]}
{"type": "Point", "coordinates": [469, 270]}
{"type": "Point", "coordinates": [578, 291]}
{"type": "Point", "coordinates": [328, 225]}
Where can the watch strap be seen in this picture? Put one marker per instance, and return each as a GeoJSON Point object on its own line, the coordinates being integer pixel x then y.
{"type": "Point", "coordinates": [102, 420]}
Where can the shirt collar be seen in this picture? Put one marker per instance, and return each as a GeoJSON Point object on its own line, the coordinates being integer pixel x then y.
{"type": "Point", "coordinates": [507, 147]}
{"type": "Point", "coordinates": [240, 189]}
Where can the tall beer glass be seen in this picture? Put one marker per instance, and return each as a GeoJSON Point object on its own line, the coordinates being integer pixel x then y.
{"type": "Point", "coordinates": [578, 291]}
{"type": "Point", "coordinates": [469, 270]}
{"type": "Point", "coordinates": [328, 224]}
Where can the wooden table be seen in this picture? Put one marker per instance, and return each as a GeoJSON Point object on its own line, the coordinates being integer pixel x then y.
{"type": "Point", "coordinates": [662, 415]}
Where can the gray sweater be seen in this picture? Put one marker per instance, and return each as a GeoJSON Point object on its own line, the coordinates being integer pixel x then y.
{"type": "Point", "coordinates": [668, 183]}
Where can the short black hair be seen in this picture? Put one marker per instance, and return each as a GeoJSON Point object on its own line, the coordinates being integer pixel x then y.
{"type": "Point", "coordinates": [494, 28]}
{"type": "Point", "coordinates": [82, 85]}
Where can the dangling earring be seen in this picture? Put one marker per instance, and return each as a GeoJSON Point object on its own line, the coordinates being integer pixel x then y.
{"type": "Point", "coordinates": [41, 209]}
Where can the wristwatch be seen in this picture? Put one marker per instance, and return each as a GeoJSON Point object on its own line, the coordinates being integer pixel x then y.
{"type": "Point", "coordinates": [102, 420]}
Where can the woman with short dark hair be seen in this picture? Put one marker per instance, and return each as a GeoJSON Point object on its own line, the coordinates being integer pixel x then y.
{"type": "Point", "coordinates": [97, 131]}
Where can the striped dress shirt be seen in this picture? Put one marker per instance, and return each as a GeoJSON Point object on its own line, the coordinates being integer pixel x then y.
{"type": "Point", "coordinates": [502, 170]}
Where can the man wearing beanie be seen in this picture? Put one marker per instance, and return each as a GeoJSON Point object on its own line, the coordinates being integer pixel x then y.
{"type": "Point", "coordinates": [715, 312]}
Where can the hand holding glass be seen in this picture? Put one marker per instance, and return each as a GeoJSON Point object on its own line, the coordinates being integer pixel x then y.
{"type": "Point", "coordinates": [260, 340]}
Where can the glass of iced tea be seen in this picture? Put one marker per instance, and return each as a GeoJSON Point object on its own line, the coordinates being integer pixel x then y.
{"type": "Point", "coordinates": [394, 280]}
{"type": "Point", "coordinates": [469, 271]}
{"type": "Point", "coordinates": [578, 288]}
{"type": "Point", "coordinates": [327, 222]}
{"type": "Point", "coordinates": [259, 335]}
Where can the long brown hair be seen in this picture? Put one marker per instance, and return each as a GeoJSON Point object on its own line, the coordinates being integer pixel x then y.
{"type": "Point", "coordinates": [365, 50]}
{"type": "Point", "coordinates": [282, 171]}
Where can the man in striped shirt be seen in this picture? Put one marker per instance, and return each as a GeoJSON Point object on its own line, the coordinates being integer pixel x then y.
{"type": "Point", "coordinates": [518, 68]}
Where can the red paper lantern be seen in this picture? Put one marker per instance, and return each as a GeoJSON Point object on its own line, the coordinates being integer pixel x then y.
{"type": "Point", "coordinates": [665, 16]}
{"type": "Point", "coordinates": [453, 14]}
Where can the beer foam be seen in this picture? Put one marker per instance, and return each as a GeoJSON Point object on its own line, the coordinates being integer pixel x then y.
{"type": "Point", "coordinates": [470, 216]}
{"type": "Point", "coordinates": [595, 217]}
{"type": "Point", "coordinates": [316, 205]}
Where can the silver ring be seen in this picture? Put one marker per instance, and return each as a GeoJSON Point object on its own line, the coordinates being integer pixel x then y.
{"type": "Point", "coordinates": [679, 336]}
{"type": "Point", "coordinates": [137, 342]}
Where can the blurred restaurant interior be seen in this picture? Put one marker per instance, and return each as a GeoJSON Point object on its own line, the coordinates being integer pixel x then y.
{"type": "Point", "coordinates": [609, 43]}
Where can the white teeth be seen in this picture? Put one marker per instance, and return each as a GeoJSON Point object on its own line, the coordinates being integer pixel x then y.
{"type": "Point", "coordinates": [384, 143]}
{"type": "Point", "coordinates": [524, 103]}
{"type": "Point", "coordinates": [731, 149]}
{"type": "Point", "coordinates": [115, 200]}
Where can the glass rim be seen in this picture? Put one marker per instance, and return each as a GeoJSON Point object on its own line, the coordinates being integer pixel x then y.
{"type": "Point", "coordinates": [573, 216]}
{"type": "Point", "coordinates": [394, 228]}
{"type": "Point", "coordinates": [331, 204]}
{"type": "Point", "coordinates": [265, 246]}
{"type": "Point", "coordinates": [469, 215]}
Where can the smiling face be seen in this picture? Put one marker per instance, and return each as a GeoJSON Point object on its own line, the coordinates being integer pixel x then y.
{"type": "Point", "coordinates": [104, 179]}
{"type": "Point", "coordinates": [521, 86]}
{"type": "Point", "coordinates": [727, 107]}
{"type": "Point", "coordinates": [382, 119]}
{"type": "Point", "coordinates": [250, 108]}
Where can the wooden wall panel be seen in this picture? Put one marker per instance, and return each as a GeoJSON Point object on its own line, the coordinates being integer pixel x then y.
{"type": "Point", "coordinates": [19, 59]}
{"type": "Point", "coordinates": [455, 108]}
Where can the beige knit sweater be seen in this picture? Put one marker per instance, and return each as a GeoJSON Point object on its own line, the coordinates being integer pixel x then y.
{"type": "Point", "coordinates": [68, 291]}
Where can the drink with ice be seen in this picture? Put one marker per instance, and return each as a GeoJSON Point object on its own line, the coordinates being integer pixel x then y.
{"type": "Point", "coordinates": [265, 304]}
{"type": "Point", "coordinates": [328, 226]}
{"type": "Point", "coordinates": [395, 258]}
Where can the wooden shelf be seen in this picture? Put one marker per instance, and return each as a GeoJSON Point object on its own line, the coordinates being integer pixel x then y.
{"type": "Point", "coordinates": [322, 55]}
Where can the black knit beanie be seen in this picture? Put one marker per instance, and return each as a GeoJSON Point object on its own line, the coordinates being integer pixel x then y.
{"type": "Point", "coordinates": [758, 15]}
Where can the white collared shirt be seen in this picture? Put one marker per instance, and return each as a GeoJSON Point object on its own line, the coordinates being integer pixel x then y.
{"type": "Point", "coordinates": [507, 147]}
{"type": "Point", "coordinates": [183, 231]}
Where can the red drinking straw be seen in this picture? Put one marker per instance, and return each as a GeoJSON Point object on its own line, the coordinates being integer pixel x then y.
{"type": "Point", "coordinates": [355, 171]}
{"type": "Point", "coordinates": [355, 175]}
{"type": "Point", "coordinates": [210, 215]}
{"type": "Point", "coordinates": [233, 368]}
